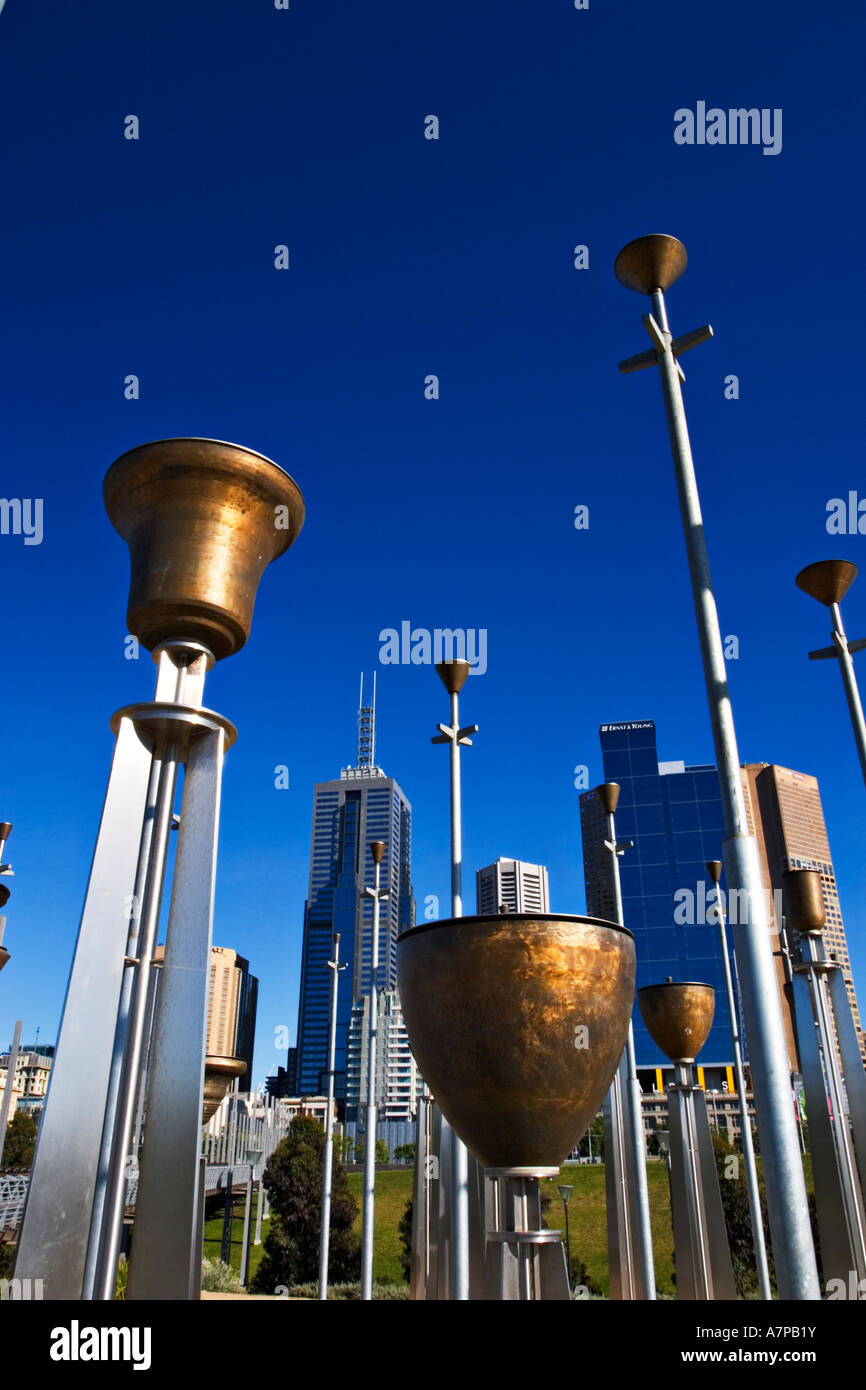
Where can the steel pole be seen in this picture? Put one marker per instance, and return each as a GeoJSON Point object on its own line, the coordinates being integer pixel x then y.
{"type": "Point", "coordinates": [849, 680]}
{"type": "Point", "coordinates": [790, 1228]}
{"type": "Point", "coordinates": [459, 1152]}
{"type": "Point", "coordinates": [367, 1229]}
{"type": "Point", "coordinates": [10, 1086]}
{"type": "Point", "coordinates": [748, 1147]}
{"type": "Point", "coordinates": [327, 1172]}
{"type": "Point", "coordinates": [647, 1263]}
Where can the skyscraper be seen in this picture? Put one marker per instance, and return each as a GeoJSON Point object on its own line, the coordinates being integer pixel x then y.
{"type": "Point", "coordinates": [513, 884]}
{"type": "Point", "coordinates": [787, 820]}
{"type": "Point", "coordinates": [232, 1005]}
{"type": "Point", "coordinates": [673, 814]}
{"type": "Point", "coordinates": [348, 812]}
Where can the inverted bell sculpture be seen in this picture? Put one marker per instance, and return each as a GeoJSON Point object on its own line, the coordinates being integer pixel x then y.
{"type": "Point", "coordinates": [219, 1076]}
{"type": "Point", "coordinates": [678, 1017]}
{"type": "Point", "coordinates": [202, 519]}
{"type": "Point", "coordinates": [517, 1023]}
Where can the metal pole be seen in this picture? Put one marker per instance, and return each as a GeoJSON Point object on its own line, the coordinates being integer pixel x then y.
{"type": "Point", "coordinates": [327, 1172]}
{"type": "Point", "coordinates": [633, 1098]}
{"type": "Point", "coordinates": [849, 680]}
{"type": "Point", "coordinates": [10, 1086]}
{"type": "Point", "coordinates": [377, 849]}
{"type": "Point", "coordinates": [714, 868]}
{"type": "Point", "coordinates": [459, 1153]}
{"type": "Point", "coordinates": [786, 1188]}
{"type": "Point", "coordinates": [245, 1244]}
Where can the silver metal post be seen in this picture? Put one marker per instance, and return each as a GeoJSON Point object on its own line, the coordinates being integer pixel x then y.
{"type": "Point", "coordinates": [746, 1128]}
{"type": "Point", "coordinates": [245, 1243]}
{"type": "Point", "coordinates": [327, 1172]}
{"type": "Point", "coordinates": [849, 680]}
{"type": "Point", "coordinates": [633, 1100]}
{"type": "Point", "coordinates": [790, 1228]}
{"type": "Point", "coordinates": [369, 1212]}
{"type": "Point", "coordinates": [10, 1086]}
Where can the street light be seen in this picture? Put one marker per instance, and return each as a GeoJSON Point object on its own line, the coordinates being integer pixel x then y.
{"type": "Point", "coordinates": [565, 1191]}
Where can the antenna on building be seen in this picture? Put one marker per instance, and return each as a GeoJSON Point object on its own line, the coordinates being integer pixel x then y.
{"type": "Point", "coordinates": [366, 728]}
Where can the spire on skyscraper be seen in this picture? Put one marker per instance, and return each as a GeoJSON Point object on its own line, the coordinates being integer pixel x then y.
{"type": "Point", "coordinates": [366, 764]}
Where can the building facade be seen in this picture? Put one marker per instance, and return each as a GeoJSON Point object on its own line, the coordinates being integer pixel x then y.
{"type": "Point", "coordinates": [673, 815]}
{"type": "Point", "coordinates": [363, 804]}
{"type": "Point", "coordinates": [787, 819]}
{"type": "Point", "coordinates": [232, 1006]}
{"type": "Point", "coordinates": [30, 1082]}
{"type": "Point", "coordinates": [512, 884]}
{"type": "Point", "coordinates": [397, 1080]}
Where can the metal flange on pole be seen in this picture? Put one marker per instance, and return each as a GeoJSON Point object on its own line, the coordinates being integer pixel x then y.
{"type": "Point", "coordinates": [649, 266]}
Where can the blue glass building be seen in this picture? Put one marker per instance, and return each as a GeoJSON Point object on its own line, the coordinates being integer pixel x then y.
{"type": "Point", "coordinates": [361, 805]}
{"type": "Point", "coordinates": [673, 813]}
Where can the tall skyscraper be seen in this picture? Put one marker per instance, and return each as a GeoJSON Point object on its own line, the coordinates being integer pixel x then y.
{"type": "Point", "coordinates": [348, 812]}
{"type": "Point", "coordinates": [232, 1005]}
{"type": "Point", "coordinates": [673, 814]}
{"type": "Point", "coordinates": [511, 883]}
{"type": "Point", "coordinates": [787, 820]}
{"type": "Point", "coordinates": [397, 1079]}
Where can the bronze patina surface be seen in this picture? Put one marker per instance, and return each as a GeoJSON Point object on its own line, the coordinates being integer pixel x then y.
{"type": "Point", "coordinates": [828, 581]}
{"type": "Point", "coordinates": [678, 1017]}
{"type": "Point", "coordinates": [517, 1023]}
{"type": "Point", "coordinates": [650, 263]}
{"type": "Point", "coordinates": [804, 897]}
{"type": "Point", "coordinates": [219, 1074]}
{"type": "Point", "coordinates": [202, 520]}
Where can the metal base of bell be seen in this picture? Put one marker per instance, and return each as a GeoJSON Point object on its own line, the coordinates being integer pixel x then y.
{"type": "Point", "coordinates": [523, 1262]}
{"type": "Point", "coordinates": [703, 1259]}
{"type": "Point", "coordinates": [621, 1189]}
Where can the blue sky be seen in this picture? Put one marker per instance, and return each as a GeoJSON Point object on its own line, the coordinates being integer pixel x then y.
{"type": "Point", "coordinates": [411, 257]}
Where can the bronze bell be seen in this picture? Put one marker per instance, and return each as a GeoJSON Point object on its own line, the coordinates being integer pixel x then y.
{"type": "Point", "coordinates": [517, 1023]}
{"type": "Point", "coordinates": [219, 1077]}
{"type": "Point", "coordinates": [202, 520]}
{"type": "Point", "coordinates": [678, 1017]}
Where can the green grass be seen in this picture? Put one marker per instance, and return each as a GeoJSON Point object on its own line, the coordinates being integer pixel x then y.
{"type": "Point", "coordinates": [586, 1219]}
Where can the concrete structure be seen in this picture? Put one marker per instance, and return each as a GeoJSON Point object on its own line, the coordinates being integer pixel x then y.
{"type": "Point", "coordinates": [292, 1106]}
{"type": "Point", "coordinates": [787, 819]}
{"type": "Point", "coordinates": [232, 1004]}
{"type": "Point", "coordinates": [513, 884]}
{"type": "Point", "coordinates": [398, 1083]}
{"type": "Point", "coordinates": [32, 1073]}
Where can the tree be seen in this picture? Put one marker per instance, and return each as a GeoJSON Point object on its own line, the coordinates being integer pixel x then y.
{"type": "Point", "coordinates": [344, 1147]}
{"type": "Point", "coordinates": [382, 1154]}
{"type": "Point", "coordinates": [293, 1179]}
{"type": "Point", "coordinates": [404, 1153]}
{"type": "Point", "coordinates": [405, 1229]}
{"type": "Point", "coordinates": [20, 1141]}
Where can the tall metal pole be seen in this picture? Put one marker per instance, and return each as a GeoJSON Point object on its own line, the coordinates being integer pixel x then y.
{"type": "Point", "coordinates": [10, 1086]}
{"type": "Point", "coordinates": [828, 581]}
{"type": "Point", "coordinates": [714, 869]}
{"type": "Point", "coordinates": [608, 794]}
{"type": "Point", "coordinates": [327, 1172]}
{"type": "Point", "coordinates": [453, 676]}
{"type": "Point", "coordinates": [377, 850]}
{"type": "Point", "coordinates": [649, 266]}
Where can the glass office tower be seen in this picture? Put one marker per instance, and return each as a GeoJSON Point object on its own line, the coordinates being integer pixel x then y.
{"type": "Point", "coordinates": [361, 805]}
{"type": "Point", "coordinates": [673, 813]}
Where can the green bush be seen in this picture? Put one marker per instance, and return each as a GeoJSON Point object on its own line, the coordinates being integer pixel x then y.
{"type": "Point", "coordinates": [350, 1292]}
{"type": "Point", "coordinates": [217, 1277]}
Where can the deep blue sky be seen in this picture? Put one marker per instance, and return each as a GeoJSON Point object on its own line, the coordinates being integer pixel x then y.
{"type": "Point", "coordinates": [411, 257]}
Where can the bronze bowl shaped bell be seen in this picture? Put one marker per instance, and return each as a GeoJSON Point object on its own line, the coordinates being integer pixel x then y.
{"type": "Point", "coordinates": [517, 1023]}
{"type": "Point", "coordinates": [219, 1075]}
{"type": "Point", "coordinates": [678, 1017]}
{"type": "Point", "coordinates": [202, 520]}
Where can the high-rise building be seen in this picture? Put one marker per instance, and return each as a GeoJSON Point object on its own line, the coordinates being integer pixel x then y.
{"type": "Point", "coordinates": [397, 1080]}
{"type": "Point", "coordinates": [673, 815]}
{"type": "Point", "coordinates": [232, 1003]}
{"type": "Point", "coordinates": [787, 819]}
{"type": "Point", "coordinates": [363, 804]}
{"type": "Point", "coordinates": [511, 883]}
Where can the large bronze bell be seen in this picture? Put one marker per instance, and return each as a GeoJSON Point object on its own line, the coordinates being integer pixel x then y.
{"type": "Point", "coordinates": [202, 520]}
{"type": "Point", "coordinates": [678, 1016]}
{"type": "Point", "coordinates": [517, 1023]}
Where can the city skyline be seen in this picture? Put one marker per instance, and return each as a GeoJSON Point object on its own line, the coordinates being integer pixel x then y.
{"type": "Point", "coordinates": [409, 258]}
